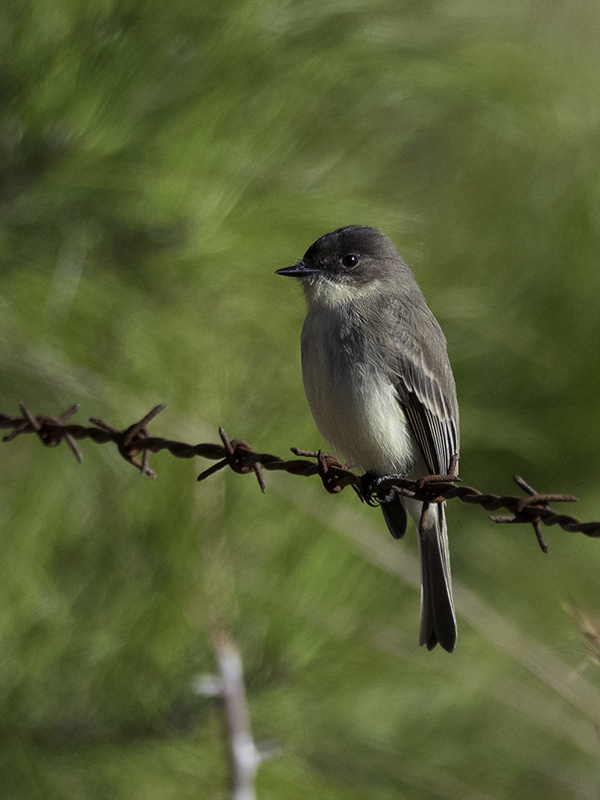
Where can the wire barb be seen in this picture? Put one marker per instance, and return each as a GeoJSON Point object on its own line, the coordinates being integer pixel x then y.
{"type": "Point", "coordinates": [237, 454]}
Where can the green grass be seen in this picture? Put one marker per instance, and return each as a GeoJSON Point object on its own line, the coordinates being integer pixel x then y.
{"type": "Point", "coordinates": [158, 162]}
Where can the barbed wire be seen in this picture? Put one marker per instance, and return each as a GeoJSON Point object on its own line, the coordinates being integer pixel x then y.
{"type": "Point", "coordinates": [135, 441]}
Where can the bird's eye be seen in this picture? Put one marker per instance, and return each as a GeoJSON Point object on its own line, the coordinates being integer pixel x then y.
{"type": "Point", "coordinates": [350, 261]}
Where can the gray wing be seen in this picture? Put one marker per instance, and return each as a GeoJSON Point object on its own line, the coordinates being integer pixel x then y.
{"type": "Point", "coordinates": [426, 391]}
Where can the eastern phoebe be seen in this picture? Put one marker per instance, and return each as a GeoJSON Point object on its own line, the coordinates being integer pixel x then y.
{"type": "Point", "coordinates": [381, 390]}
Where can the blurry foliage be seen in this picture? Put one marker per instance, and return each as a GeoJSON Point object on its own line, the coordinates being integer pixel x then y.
{"type": "Point", "coordinates": [157, 163]}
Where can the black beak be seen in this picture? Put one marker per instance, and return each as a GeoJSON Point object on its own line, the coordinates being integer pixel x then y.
{"type": "Point", "coordinates": [299, 270]}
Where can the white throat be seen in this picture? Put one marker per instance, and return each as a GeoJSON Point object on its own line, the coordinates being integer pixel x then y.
{"type": "Point", "coordinates": [323, 293]}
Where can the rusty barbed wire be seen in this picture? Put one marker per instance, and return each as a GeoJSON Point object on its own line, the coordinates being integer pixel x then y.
{"type": "Point", "coordinates": [534, 508]}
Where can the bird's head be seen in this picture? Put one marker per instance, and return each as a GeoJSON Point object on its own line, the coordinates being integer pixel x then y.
{"type": "Point", "coordinates": [346, 264]}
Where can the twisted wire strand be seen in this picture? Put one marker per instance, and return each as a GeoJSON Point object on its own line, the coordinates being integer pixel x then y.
{"type": "Point", "coordinates": [135, 444]}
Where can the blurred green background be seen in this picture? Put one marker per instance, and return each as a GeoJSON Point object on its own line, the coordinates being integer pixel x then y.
{"type": "Point", "coordinates": [158, 162]}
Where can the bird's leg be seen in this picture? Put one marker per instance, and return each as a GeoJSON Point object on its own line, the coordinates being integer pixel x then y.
{"type": "Point", "coordinates": [369, 487]}
{"type": "Point", "coordinates": [367, 483]}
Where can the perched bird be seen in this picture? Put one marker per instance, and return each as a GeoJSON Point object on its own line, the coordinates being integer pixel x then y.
{"type": "Point", "coordinates": [381, 390]}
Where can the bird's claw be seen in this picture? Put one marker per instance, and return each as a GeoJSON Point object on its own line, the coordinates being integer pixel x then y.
{"type": "Point", "coordinates": [369, 487]}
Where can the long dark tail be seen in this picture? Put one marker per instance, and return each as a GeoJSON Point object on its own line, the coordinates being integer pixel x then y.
{"type": "Point", "coordinates": [438, 619]}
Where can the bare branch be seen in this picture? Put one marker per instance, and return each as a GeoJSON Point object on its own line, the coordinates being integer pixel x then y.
{"type": "Point", "coordinates": [244, 755]}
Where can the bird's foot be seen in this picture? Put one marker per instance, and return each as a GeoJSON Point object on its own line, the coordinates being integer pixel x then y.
{"type": "Point", "coordinates": [369, 487]}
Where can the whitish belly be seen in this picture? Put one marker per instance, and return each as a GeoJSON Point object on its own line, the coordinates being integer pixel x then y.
{"type": "Point", "coordinates": [356, 409]}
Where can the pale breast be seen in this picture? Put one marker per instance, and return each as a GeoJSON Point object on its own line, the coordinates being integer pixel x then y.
{"type": "Point", "coordinates": [354, 405]}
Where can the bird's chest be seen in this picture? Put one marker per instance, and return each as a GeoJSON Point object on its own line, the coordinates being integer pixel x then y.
{"type": "Point", "coordinates": [351, 396]}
